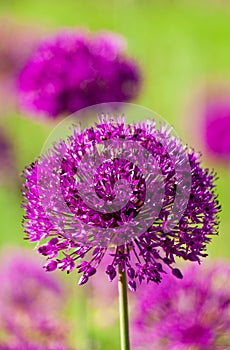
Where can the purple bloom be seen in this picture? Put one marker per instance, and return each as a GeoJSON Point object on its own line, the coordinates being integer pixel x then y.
{"type": "Point", "coordinates": [217, 127]}
{"type": "Point", "coordinates": [63, 214]}
{"type": "Point", "coordinates": [33, 334]}
{"type": "Point", "coordinates": [25, 286]}
{"type": "Point", "coordinates": [30, 302]}
{"type": "Point", "coordinates": [185, 315]}
{"type": "Point", "coordinates": [75, 70]}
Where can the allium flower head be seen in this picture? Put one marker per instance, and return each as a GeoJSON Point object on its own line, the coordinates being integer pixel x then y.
{"type": "Point", "coordinates": [122, 190]}
{"type": "Point", "coordinates": [74, 70]}
{"type": "Point", "coordinates": [190, 314]}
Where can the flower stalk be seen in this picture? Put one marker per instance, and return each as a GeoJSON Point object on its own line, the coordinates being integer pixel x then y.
{"type": "Point", "coordinates": [123, 309]}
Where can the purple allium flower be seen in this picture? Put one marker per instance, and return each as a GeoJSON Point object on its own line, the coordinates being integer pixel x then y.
{"type": "Point", "coordinates": [30, 302]}
{"type": "Point", "coordinates": [74, 70]}
{"type": "Point", "coordinates": [190, 314]}
{"type": "Point", "coordinates": [217, 127]}
{"type": "Point", "coordinates": [62, 212]}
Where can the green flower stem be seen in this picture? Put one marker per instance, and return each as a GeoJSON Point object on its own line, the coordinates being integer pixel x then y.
{"type": "Point", "coordinates": [123, 310]}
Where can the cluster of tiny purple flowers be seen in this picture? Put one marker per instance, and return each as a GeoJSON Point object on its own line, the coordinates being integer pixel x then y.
{"type": "Point", "coordinates": [185, 315]}
{"type": "Point", "coordinates": [145, 256]}
{"type": "Point", "coordinates": [74, 70]}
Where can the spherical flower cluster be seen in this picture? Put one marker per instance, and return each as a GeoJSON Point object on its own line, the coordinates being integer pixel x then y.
{"type": "Point", "coordinates": [185, 315]}
{"type": "Point", "coordinates": [74, 70]}
{"type": "Point", "coordinates": [217, 127]}
{"type": "Point", "coordinates": [70, 228]}
{"type": "Point", "coordinates": [30, 302]}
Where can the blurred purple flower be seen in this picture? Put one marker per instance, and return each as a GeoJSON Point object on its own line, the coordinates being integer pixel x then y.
{"type": "Point", "coordinates": [184, 315]}
{"type": "Point", "coordinates": [60, 218]}
{"type": "Point", "coordinates": [74, 70]}
{"type": "Point", "coordinates": [33, 333]}
{"type": "Point", "coordinates": [25, 286]}
{"type": "Point", "coordinates": [30, 302]}
{"type": "Point", "coordinates": [217, 127]}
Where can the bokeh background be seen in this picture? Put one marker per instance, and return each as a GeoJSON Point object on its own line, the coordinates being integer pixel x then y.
{"type": "Point", "coordinates": [182, 47]}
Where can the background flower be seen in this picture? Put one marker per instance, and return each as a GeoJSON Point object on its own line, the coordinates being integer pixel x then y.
{"type": "Point", "coordinates": [74, 70]}
{"type": "Point", "coordinates": [30, 305]}
{"type": "Point", "coordinates": [209, 113]}
{"type": "Point", "coordinates": [190, 314]}
{"type": "Point", "coordinates": [217, 127]}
